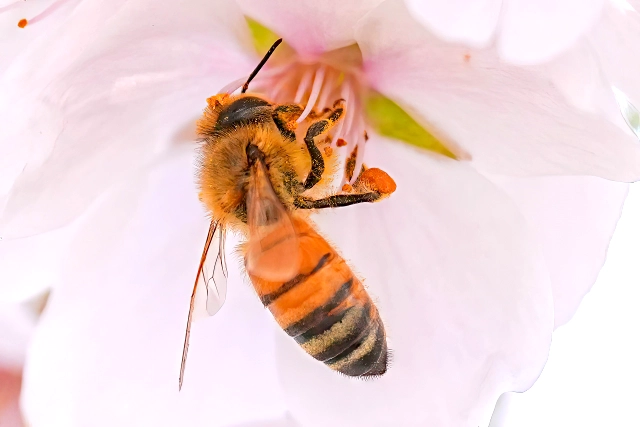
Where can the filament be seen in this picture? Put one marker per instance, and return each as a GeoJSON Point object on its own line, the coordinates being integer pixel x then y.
{"type": "Point", "coordinates": [302, 88]}
{"type": "Point", "coordinates": [313, 96]}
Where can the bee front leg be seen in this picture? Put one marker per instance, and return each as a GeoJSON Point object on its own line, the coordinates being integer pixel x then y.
{"type": "Point", "coordinates": [316, 129]}
{"type": "Point", "coordinates": [285, 117]}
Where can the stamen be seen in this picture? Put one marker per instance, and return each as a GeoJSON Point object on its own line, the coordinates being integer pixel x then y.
{"type": "Point", "coordinates": [39, 17]}
{"type": "Point", "coordinates": [352, 108]}
{"type": "Point", "coordinates": [277, 88]}
{"type": "Point", "coordinates": [275, 82]}
{"type": "Point", "coordinates": [315, 91]}
{"type": "Point", "coordinates": [302, 87]}
{"type": "Point", "coordinates": [359, 159]}
{"type": "Point", "coordinates": [323, 101]}
{"type": "Point", "coordinates": [344, 94]}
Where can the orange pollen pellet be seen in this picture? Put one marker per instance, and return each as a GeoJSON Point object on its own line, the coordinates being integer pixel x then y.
{"type": "Point", "coordinates": [378, 180]}
{"type": "Point", "coordinates": [347, 188]}
{"type": "Point", "coordinates": [328, 151]}
{"type": "Point", "coordinates": [341, 142]}
{"type": "Point", "coordinates": [22, 23]}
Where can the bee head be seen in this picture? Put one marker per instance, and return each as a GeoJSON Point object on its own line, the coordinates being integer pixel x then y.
{"type": "Point", "coordinates": [243, 111]}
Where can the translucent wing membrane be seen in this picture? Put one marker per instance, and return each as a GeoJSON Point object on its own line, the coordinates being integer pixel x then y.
{"type": "Point", "coordinates": [213, 273]}
{"type": "Point", "coordinates": [211, 282]}
{"type": "Point", "coordinates": [273, 250]}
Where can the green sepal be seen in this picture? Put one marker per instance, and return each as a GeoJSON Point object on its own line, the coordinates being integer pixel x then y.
{"type": "Point", "coordinates": [262, 36]}
{"type": "Point", "coordinates": [389, 119]}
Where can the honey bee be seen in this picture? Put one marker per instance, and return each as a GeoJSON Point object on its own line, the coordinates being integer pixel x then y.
{"type": "Point", "coordinates": [256, 179]}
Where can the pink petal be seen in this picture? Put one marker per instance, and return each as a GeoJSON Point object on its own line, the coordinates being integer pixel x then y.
{"type": "Point", "coordinates": [144, 79]}
{"type": "Point", "coordinates": [535, 31]}
{"type": "Point", "coordinates": [469, 22]}
{"type": "Point", "coordinates": [462, 290]}
{"type": "Point", "coordinates": [510, 120]}
{"type": "Point", "coordinates": [574, 219]}
{"type": "Point", "coordinates": [107, 350]}
{"type": "Point", "coordinates": [311, 27]}
{"type": "Point", "coordinates": [615, 40]}
{"type": "Point", "coordinates": [10, 399]}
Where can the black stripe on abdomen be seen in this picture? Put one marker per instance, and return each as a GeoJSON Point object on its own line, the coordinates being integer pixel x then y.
{"type": "Point", "coordinates": [347, 329]}
{"type": "Point", "coordinates": [300, 278]}
{"type": "Point", "coordinates": [365, 357]}
{"type": "Point", "coordinates": [314, 318]}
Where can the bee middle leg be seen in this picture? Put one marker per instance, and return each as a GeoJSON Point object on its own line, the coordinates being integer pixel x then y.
{"type": "Point", "coordinates": [316, 129]}
{"type": "Point", "coordinates": [336, 201]}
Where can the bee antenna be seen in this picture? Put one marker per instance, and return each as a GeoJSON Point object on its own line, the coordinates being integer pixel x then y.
{"type": "Point", "coordinates": [260, 65]}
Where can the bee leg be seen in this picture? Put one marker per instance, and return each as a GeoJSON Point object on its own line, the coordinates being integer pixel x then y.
{"type": "Point", "coordinates": [285, 117]}
{"type": "Point", "coordinates": [336, 201]}
{"type": "Point", "coordinates": [318, 128]}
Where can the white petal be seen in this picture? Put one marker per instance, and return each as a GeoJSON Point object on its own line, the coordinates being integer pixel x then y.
{"type": "Point", "coordinates": [510, 120]}
{"type": "Point", "coordinates": [615, 39]}
{"type": "Point", "coordinates": [107, 351]}
{"type": "Point", "coordinates": [17, 324]}
{"type": "Point", "coordinates": [578, 75]}
{"type": "Point", "coordinates": [591, 378]}
{"type": "Point", "coordinates": [469, 22]}
{"type": "Point", "coordinates": [144, 78]}
{"type": "Point", "coordinates": [31, 265]}
{"type": "Point", "coordinates": [312, 27]}
{"type": "Point", "coordinates": [574, 219]}
{"type": "Point", "coordinates": [462, 290]}
{"type": "Point", "coordinates": [535, 31]}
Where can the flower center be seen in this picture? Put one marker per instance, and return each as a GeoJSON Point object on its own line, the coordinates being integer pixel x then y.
{"type": "Point", "coordinates": [317, 83]}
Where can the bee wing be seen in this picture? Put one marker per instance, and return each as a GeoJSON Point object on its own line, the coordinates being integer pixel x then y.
{"type": "Point", "coordinates": [273, 250]}
{"type": "Point", "coordinates": [210, 283]}
{"type": "Point", "coordinates": [212, 272]}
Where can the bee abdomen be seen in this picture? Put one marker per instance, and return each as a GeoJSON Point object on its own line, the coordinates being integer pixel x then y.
{"type": "Point", "coordinates": [330, 315]}
{"type": "Point", "coordinates": [367, 356]}
{"type": "Point", "coordinates": [352, 342]}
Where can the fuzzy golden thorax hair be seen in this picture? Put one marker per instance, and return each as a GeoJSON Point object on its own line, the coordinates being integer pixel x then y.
{"type": "Point", "coordinates": [224, 170]}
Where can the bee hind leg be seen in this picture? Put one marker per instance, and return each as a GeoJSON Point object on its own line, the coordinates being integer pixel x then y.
{"type": "Point", "coordinates": [316, 129]}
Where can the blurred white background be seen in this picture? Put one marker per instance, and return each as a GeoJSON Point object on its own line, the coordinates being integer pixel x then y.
{"type": "Point", "coordinates": [593, 372]}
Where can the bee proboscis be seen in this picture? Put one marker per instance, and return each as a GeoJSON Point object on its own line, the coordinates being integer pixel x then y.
{"type": "Point", "coordinates": [257, 179]}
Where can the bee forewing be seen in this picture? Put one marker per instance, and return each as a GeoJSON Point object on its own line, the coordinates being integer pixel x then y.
{"type": "Point", "coordinates": [273, 250]}
{"type": "Point", "coordinates": [210, 287]}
